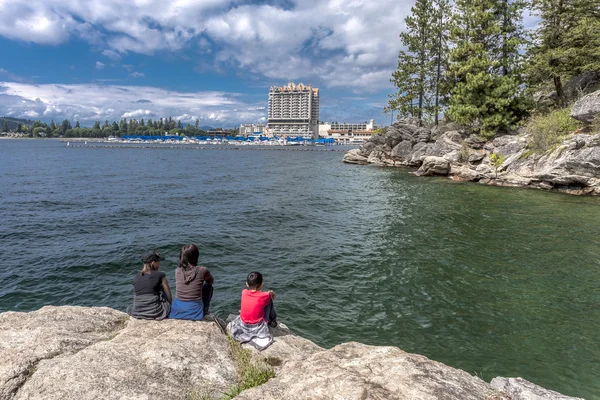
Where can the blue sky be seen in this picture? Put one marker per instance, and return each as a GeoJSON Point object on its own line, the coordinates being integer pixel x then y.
{"type": "Point", "coordinates": [208, 59]}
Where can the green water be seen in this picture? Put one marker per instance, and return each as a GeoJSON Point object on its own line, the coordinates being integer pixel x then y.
{"type": "Point", "coordinates": [496, 281]}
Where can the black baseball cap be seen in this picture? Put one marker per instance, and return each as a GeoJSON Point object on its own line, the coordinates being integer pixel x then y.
{"type": "Point", "coordinates": [150, 256]}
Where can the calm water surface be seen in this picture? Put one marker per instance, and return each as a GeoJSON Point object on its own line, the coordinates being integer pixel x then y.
{"type": "Point", "coordinates": [498, 282]}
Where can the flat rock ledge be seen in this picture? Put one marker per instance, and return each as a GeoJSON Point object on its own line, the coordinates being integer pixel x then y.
{"type": "Point", "coordinates": [572, 167]}
{"type": "Point", "coordinates": [100, 353]}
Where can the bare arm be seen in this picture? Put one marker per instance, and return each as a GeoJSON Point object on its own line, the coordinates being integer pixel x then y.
{"type": "Point", "coordinates": [167, 289]}
{"type": "Point", "coordinates": [208, 277]}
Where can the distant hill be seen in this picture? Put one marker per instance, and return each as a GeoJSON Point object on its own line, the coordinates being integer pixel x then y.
{"type": "Point", "coordinates": [206, 128]}
{"type": "Point", "coordinates": [13, 122]}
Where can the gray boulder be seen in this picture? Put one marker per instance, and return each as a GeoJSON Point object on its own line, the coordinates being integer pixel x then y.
{"type": "Point", "coordinates": [586, 108]}
{"type": "Point", "coordinates": [582, 84]}
{"type": "Point", "coordinates": [355, 156]}
{"type": "Point", "coordinates": [354, 371]}
{"type": "Point", "coordinates": [520, 389]}
{"type": "Point", "coordinates": [402, 152]}
{"type": "Point", "coordinates": [434, 166]}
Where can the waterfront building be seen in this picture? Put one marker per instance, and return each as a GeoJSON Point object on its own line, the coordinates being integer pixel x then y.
{"type": "Point", "coordinates": [251, 129]}
{"type": "Point", "coordinates": [294, 111]}
{"type": "Point", "coordinates": [347, 133]}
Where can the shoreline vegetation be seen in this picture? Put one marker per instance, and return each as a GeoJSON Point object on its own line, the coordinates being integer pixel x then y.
{"type": "Point", "coordinates": [159, 127]}
{"type": "Point", "coordinates": [480, 98]}
{"type": "Point", "coordinates": [473, 63]}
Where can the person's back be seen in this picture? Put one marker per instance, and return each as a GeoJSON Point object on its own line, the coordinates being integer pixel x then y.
{"type": "Point", "coordinates": [152, 294]}
{"type": "Point", "coordinates": [257, 313]}
{"type": "Point", "coordinates": [193, 286]}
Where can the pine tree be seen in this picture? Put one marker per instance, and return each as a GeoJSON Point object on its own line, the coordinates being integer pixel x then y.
{"type": "Point", "coordinates": [484, 69]}
{"type": "Point", "coordinates": [77, 124]}
{"type": "Point", "coordinates": [52, 125]}
{"type": "Point", "coordinates": [5, 126]}
{"type": "Point", "coordinates": [567, 42]}
{"type": "Point", "coordinates": [415, 64]}
{"type": "Point", "coordinates": [197, 123]}
{"type": "Point", "coordinates": [441, 53]}
{"type": "Point", "coordinates": [97, 125]}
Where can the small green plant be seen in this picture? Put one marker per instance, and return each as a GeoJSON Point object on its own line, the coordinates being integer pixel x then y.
{"type": "Point", "coordinates": [595, 125]}
{"type": "Point", "coordinates": [548, 130]}
{"type": "Point", "coordinates": [251, 373]}
{"type": "Point", "coordinates": [463, 154]}
{"type": "Point", "coordinates": [496, 161]}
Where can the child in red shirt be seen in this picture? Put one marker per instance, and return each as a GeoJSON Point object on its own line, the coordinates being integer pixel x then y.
{"type": "Point", "coordinates": [257, 305]}
{"type": "Point", "coordinates": [257, 314]}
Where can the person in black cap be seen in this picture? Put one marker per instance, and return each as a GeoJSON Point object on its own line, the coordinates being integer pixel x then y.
{"type": "Point", "coordinates": [152, 298]}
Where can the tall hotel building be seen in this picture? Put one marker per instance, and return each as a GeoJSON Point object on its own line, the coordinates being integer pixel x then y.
{"type": "Point", "coordinates": [294, 110]}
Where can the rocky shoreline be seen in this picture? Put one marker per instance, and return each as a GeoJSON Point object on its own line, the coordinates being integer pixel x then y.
{"type": "Point", "coordinates": [101, 353]}
{"type": "Point", "coordinates": [572, 167]}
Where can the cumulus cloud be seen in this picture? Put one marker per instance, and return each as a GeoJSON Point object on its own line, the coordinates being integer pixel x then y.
{"type": "Point", "coordinates": [99, 65]}
{"type": "Point", "coordinates": [92, 102]}
{"type": "Point", "coordinates": [315, 40]}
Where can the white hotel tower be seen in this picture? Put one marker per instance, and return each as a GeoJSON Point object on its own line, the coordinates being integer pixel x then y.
{"type": "Point", "coordinates": [294, 110]}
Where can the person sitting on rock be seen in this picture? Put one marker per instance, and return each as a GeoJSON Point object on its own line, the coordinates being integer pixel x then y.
{"type": "Point", "coordinates": [193, 286]}
{"type": "Point", "coordinates": [152, 298]}
{"type": "Point", "coordinates": [257, 313]}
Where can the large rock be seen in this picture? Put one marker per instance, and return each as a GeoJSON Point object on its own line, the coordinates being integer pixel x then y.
{"type": "Point", "coordinates": [582, 84]}
{"type": "Point", "coordinates": [144, 360]}
{"type": "Point", "coordinates": [586, 108]}
{"type": "Point", "coordinates": [354, 371]}
{"type": "Point", "coordinates": [434, 166]}
{"type": "Point", "coordinates": [520, 389]}
{"type": "Point", "coordinates": [100, 353]}
{"type": "Point", "coordinates": [26, 339]}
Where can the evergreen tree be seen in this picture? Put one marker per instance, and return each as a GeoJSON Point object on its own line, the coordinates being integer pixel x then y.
{"type": "Point", "coordinates": [485, 61]}
{"type": "Point", "coordinates": [179, 126]}
{"type": "Point", "coordinates": [5, 126]}
{"type": "Point", "coordinates": [197, 123]}
{"type": "Point", "coordinates": [65, 126]}
{"type": "Point", "coordinates": [115, 126]}
{"type": "Point", "coordinates": [106, 125]}
{"type": "Point", "coordinates": [77, 125]}
{"type": "Point", "coordinates": [19, 128]}
{"type": "Point", "coordinates": [97, 125]}
{"type": "Point", "coordinates": [52, 125]}
{"type": "Point", "coordinates": [414, 64]}
{"type": "Point", "coordinates": [567, 42]}
{"type": "Point", "coordinates": [441, 53]}
{"type": "Point", "coordinates": [142, 123]}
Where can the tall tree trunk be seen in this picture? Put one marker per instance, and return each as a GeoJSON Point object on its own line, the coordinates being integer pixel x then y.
{"type": "Point", "coordinates": [439, 71]}
{"type": "Point", "coordinates": [560, 94]}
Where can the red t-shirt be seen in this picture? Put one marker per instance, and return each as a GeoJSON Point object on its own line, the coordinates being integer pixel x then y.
{"type": "Point", "coordinates": [253, 306]}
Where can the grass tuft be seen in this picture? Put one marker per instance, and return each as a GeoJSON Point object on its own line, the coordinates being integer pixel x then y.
{"type": "Point", "coordinates": [546, 131]}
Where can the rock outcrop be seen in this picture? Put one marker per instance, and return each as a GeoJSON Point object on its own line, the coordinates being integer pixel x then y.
{"type": "Point", "coordinates": [100, 353]}
{"type": "Point", "coordinates": [586, 108]}
{"type": "Point", "coordinates": [572, 167]}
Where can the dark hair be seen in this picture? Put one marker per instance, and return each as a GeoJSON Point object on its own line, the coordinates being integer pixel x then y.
{"type": "Point", "coordinates": [188, 257]}
{"type": "Point", "coordinates": [254, 280]}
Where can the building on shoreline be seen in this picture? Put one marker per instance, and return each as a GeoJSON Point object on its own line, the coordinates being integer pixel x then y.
{"type": "Point", "coordinates": [294, 111]}
{"type": "Point", "coordinates": [347, 133]}
{"type": "Point", "coordinates": [251, 129]}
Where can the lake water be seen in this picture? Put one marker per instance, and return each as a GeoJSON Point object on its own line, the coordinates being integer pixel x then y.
{"type": "Point", "coordinates": [495, 281]}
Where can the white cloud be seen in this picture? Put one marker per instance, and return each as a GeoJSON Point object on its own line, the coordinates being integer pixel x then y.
{"type": "Point", "coordinates": [313, 40]}
{"type": "Point", "coordinates": [92, 102]}
{"type": "Point", "coordinates": [138, 113]}
{"type": "Point", "coordinates": [112, 55]}
{"type": "Point", "coordinates": [99, 65]}
{"type": "Point", "coordinates": [137, 74]}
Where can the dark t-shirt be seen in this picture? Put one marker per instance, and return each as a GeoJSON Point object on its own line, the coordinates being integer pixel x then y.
{"type": "Point", "coordinates": [148, 283]}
